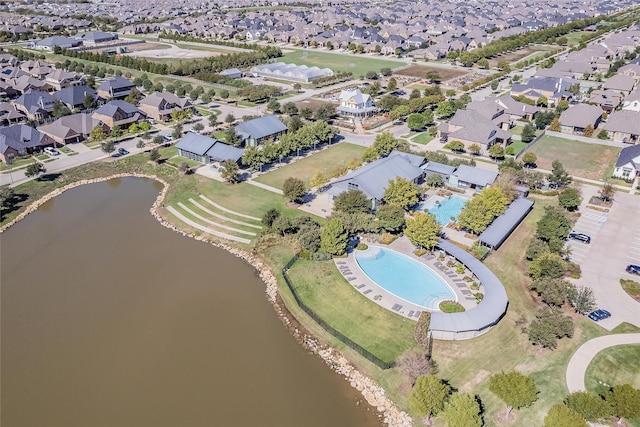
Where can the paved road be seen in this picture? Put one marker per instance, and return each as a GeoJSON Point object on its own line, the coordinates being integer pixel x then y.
{"type": "Point", "coordinates": [577, 367]}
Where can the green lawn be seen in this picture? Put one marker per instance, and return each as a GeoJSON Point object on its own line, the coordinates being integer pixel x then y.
{"type": "Point", "coordinates": [517, 146]}
{"type": "Point", "coordinates": [20, 163]}
{"type": "Point", "coordinates": [423, 138]}
{"type": "Point", "coordinates": [176, 160]}
{"type": "Point", "coordinates": [581, 159]}
{"type": "Point", "coordinates": [575, 37]}
{"type": "Point", "coordinates": [307, 167]}
{"type": "Point", "coordinates": [357, 64]}
{"type": "Point", "coordinates": [614, 366]}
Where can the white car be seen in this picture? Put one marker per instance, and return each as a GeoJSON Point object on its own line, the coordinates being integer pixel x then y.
{"type": "Point", "coordinates": [51, 151]}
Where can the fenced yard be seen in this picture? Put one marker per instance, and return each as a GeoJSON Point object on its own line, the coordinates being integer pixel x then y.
{"type": "Point", "coordinates": [318, 162]}
{"type": "Point", "coordinates": [585, 160]}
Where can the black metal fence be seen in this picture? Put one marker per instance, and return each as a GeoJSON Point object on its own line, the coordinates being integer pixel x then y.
{"type": "Point", "coordinates": [327, 327]}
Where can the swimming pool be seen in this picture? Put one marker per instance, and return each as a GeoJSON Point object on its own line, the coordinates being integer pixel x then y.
{"type": "Point", "coordinates": [404, 277]}
{"type": "Point", "coordinates": [444, 208]}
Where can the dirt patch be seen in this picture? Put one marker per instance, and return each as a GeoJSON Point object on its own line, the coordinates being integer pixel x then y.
{"type": "Point", "coordinates": [312, 104]}
{"type": "Point", "coordinates": [421, 71]}
{"type": "Point", "coordinates": [503, 418]}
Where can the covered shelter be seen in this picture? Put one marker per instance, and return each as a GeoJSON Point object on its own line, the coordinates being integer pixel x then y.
{"type": "Point", "coordinates": [256, 131]}
{"type": "Point", "coordinates": [503, 226]}
{"type": "Point", "coordinates": [207, 150]}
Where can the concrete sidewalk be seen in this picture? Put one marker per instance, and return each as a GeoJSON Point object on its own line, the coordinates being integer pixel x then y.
{"type": "Point", "coordinates": [577, 367]}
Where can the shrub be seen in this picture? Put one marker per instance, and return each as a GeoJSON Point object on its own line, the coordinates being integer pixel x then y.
{"type": "Point", "coordinates": [451, 307]}
{"type": "Point", "coordinates": [420, 251]}
{"type": "Point", "coordinates": [387, 238]}
{"type": "Point", "coordinates": [362, 247]}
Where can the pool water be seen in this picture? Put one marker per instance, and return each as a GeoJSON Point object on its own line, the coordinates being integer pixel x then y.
{"type": "Point", "coordinates": [444, 209]}
{"type": "Point", "coordinates": [404, 277]}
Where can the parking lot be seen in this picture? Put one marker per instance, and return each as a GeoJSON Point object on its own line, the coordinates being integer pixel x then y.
{"type": "Point", "coordinates": [615, 243]}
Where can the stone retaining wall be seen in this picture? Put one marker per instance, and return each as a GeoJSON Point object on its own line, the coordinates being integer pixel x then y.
{"type": "Point", "coordinates": [371, 391]}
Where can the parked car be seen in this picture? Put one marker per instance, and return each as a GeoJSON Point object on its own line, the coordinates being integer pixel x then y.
{"type": "Point", "coordinates": [151, 121]}
{"type": "Point", "coordinates": [633, 269]}
{"type": "Point", "coordinates": [166, 138]}
{"type": "Point", "coordinates": [51, 151]}
{"type": "Point", "coordinates": [122, 151]}
{"type": "Point", "coordinates": [581, 237]}
{"type": "Point", "coordinates": [599, 314]}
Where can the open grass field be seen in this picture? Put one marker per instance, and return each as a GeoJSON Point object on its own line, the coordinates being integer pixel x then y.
{"type": "Point", "coordinates": [575, 37]}
{"type": "Point", "coordinates": [517, 55]}
{"type": "Point", "coordinates": [307, 167]}
{"type": "Point", "coordinates": [422, 70]}
{"type": "Point", "coordinates": [591, 161]}
{"type": "Point", "coordinates": [614, 366]}
{"type": "Point", "coordinates": [357, 64]}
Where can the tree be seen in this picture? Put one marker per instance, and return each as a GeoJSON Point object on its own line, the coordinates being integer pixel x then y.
{"type": "Point", "coordinates": [416, 122]}
{"type": "Point", "coordinates": [183, 167]}
{"type": "Point", "coordinates": [297, 87]}
{"type": "Point", "coordinates": [229, 118]}
{"type": "Point", "coordinates": [415, 94]}
{"type": "Point", "coordinates": [157, 139]}
{"type": "Point", "coordinates": [390, 218]}
{"type": "Point", "coordinates": [371, 75]}
{"type": "Point", "coordinates": [134, 96]}
{"type": "Point", "coordinates": [224, 94]}
{"type": "Point", "coordinates": [334, 237]}
{"type": "Point", "coordinates": [588, 131]}
{"type": "Point", "coordinates": [494, 85]}
{"type": "Point", "coordinates": [270, 216]}
{"type": "Point", "coordinates": [428, 117]}
{"type": "Point", "coordinates": [89, 101]}
{"type": "Point", "coordinates": [445, 109]}
{"type": "Point", "coordinates": [352, 201]}
{"type": "Point", "coordinates": [455, 146]}
{"type": "Point", "coordinates": [306, 113]}
{"type": "Point", "coordinates": [542, 101]}
{"type": "Point", "coordinates": [624, 401]}
{"type": "Point", "coordinates": [496, 151]}
{"type": "Point", "coordinates": [528, 133]}
{"type": "Point", "coordinates": [108, 147]}
{"type": "Point", "coordinates": [569, 199]}
{"type": "Point", "coordinates": [433, 76]}
{"type": "Point", "coordinates": [529, 158]}
{"type": "Point", "coordinates": [35, 169]}
{"type": "Point", "coordinates": [229, 171]}
{"type": "Point", "coordinates": [402, 192]}
{"type": "Point", "coordinates": [273, 105]}
{"type": "Point", "coordinates": [548, 326]}
{"type": "Point", "coordinates": [384, 144]}
{"type": "Point", "coordinates": [582, 299]}
{"type": "Point", "coordinates": [553, 228]}
{"type": "Point", "coordinates": [154, 155]}
{"type": "Point", "coordinates": [552, 291]}
{"type": "Point", "coordinates": [198, 127]}
{"type": "Point", "coordinates": [414, 364]}
{"type": "Point", "coordinates": [555, 125]}
{"type": "Point", "coordinates": [514, 388]}
{"type": "Point", "coordinates": [607, 192]}
{"type": "Point", "coordinates": [213, 120]}
{"type": "Point", "coordinates": [590, 406]}
{"type": "Point", "coordinates": [428, 396]}
{"type": "Point", "coordinates": [7, 201]}
{"type": "Point", "coordinates": [483, 63]}
{"type": "Point", "coordinates": [60, 109]}
{"type": "Point", "coordinates": [324, 112]}
{"type": "Point", "coordinates": [547, 265]}
{"type": "Point", "coordinates": [392, 84]}
{"type": "Point", "coordinates": [290, 109]}
{"type": "Point", "coordinates": [435, 180]}
{"type": "Point", "coordinates": [177, 131]}
{"type": "Point", "coordinates": [559, 176]}
{"type": "Point", "coordinates": [503, 65]}
{"type": "Point", "coordinates": [293, 189]}
{"type": "Point", "coordinates": [423, 229]}
{"type": "Point", "coordinates": [462, 410]}
{"type": "Point", "coordinates": [479, 212]}
{"type": "Point", "coordinates": [562, 415]}
{"type": "Point", "coordinates": [116, 132]}
{"type": "Point", "coordinates": [474, 149]}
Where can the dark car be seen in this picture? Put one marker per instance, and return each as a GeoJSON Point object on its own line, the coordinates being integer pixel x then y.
{"type": "Point", "coordinates": [581, 237]}
{"type": "Point", "coordinates": [599, 315]}
{"type": "Point", "coordinates": [122, 151]}
{"type": "Point", "coordinates": [633, 269]}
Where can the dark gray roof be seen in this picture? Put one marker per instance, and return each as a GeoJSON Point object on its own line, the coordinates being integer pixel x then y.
{"type": "Point", "coordinates": [627, 154]}
{"type": "Point", "coordinates": [490, 310]}
{"type": "Point", "coordinates": [627, 121]}
{"type": "Point", "coordinates": [74, 95]}
{"type": "Point", "coordinates": [110, 108]}
{"type": "Point", "coordinates": [53, 41]}
{"type": "Point", "coordinates": [260, 127]}
{"type": "Point", "coordinates": [414, 159]}
{"type": "Point", "coordinates": [504, 225]}
{"type": "Point", "coordinates": [196, 143]}
{"type": "Point", "coordinates": [439, 168]}
{"type": "Point", "coordinates": [580, 115]}
{"type": "Point", "coordinates": [475, 176]}
{"type": "Point", "coordinates": [116, 83]}
{"type": "Point", "coordinates": [221, 152]}
{"type": "Point", "coordinates": [97, 36]}
{"type": "Point", "coordinates": [19, 137]}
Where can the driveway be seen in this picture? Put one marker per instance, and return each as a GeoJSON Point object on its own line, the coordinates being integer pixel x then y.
{"type": "Point", "coordinates": [615, 243]}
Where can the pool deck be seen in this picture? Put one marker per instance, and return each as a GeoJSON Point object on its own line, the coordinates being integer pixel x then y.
{"type": "Point", "coordinates": [351, 271]}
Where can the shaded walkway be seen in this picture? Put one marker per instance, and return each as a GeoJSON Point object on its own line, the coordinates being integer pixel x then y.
{"type": "Point", "coordinates": [577, 367]}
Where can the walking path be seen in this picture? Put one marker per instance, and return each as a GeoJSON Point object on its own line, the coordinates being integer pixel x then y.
{"type": "Point", "coordinates": [194, 224]}
{"type": "Point", "coordinates": [577, 367]}
{"type": "Point", "coordinates": [264, 186]}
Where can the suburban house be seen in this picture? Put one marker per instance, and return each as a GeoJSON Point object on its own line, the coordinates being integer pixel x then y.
{"type": "Point", "coordinates": [51, 42]}
{"type": "Point", "coordinates": [554, 89]}
{"type": "Point", "coordinates": [493, 111]}
{"type": "Point", "coordinates": [628, 164]}
{"type": "Point", "coordinates": [471, 127]}
{"type": "Point", "coordinates": [434, 168]}
{"type": "Point", "coordinates": [160, 105]}
{"type": "Point", "coordinates": [472, 177]}
{"type": "Point", "coordinates": [73, 97]}
{"type": "Point", "coordinates": [516, 110]}
{"type": "Point", "coordinates": [608, 99]}
{"type": "Point", "coordinates": [355, 103]}
{"type": "Point", "coordinates": [256, 131]}
{"type": "Point", "coordinates": [373, 178]}
{"type": "Point", "coordinates": [118, 113]}
{"type": "Point", "coordinates": [60, 79]}
{"type": "Point", "coordinates": [117, 87]}
{"type": "Point", "coordinates": [623, 126]}
{"type": "Point", "coordinates": [9, 114]}
{"type": "Point", "coordinates": [35, 104]}
{"type": "Point", "coordinates": [620, 83]}
{"type": "Point", "coordinates": [207, 150]}
{"type": "Point", "coordinates": [21, 140]}
{"type": "Point", "coordinates": [632, 102]}
{"type": "Point", "coordinates": [577, 118]}
{"type": "Point", "coordinates": [73, 128]}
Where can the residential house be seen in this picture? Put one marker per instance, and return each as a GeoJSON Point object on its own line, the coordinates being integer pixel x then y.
{"type": "Point", "coordinates": [72, 128]}
{"type": "Point", "coordinates": [118, 113]}
{"type": "Point", "coordinates": [620, 83]}
{"type": "Point", "coordinates": [628, 164]}
{"type": "Point", "coordinates": [492, 111]}
{"type": "Point", "coordinates": [631, 70]}
{"type": "Point", "coordinates": [21, 140]}
{"type": "Point", "coordinates": [471, 127]}
{"type": "Point", "coordinates": [554, 89]}
{"type": "Point", "coordinates": [578, 117]}
{"type": "Point", "coordinates": [9, 114]}
{"type": "Point", "coordinates": [73, 97]}
{"type": "Point", "coordinates": [207, 150]}
{"type": "Point", "coordinates": [50, 43]}
{"type": "Point", "coordinates": [516, 110]}
{"type": "Point", "coordinates": [608, 100]}
{"type": "Point", "coordinates": [623, 126]}
{"type": "Point", "coordinates": [355, 103]}
{"type": "Point", "coordinates": [117, 88]}
{"type": "Point", "coordinates": [256, 131]}
{"type": "Point", "coordinates": [472, 177]}
{"type": "Point", "coordinates": [373, 178]}
{"type": "Point", "coordinates": [160, 105]}
{"type": "Point", "coordinates": [632, 102]}
{"type": "Point", "coordinates": [36, 105]}
{"type": "Point", "coordinates": [434, 168]}
{"type": "Point", "coordinates": [60, 79]}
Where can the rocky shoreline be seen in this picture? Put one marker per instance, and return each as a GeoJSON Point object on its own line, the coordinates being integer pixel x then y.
{"type": "Point", "coordinates": [370, 390]}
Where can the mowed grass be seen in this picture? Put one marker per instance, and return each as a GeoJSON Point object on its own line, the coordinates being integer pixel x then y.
{"type": "Point", "coordinates": [423, 138]}
{"type": "Point", "coordinates": [338, 62]}
{"type": "Point", "coordinates": [581, 159]}
{"type": "Point", "coordinates": [614, 366]}
{"type": "Point", "coordinates": [517, 146]}
{"type": "Point", "coordinates": [308, 166]}
{"type": "Point", "coordinates": [468, 364]}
